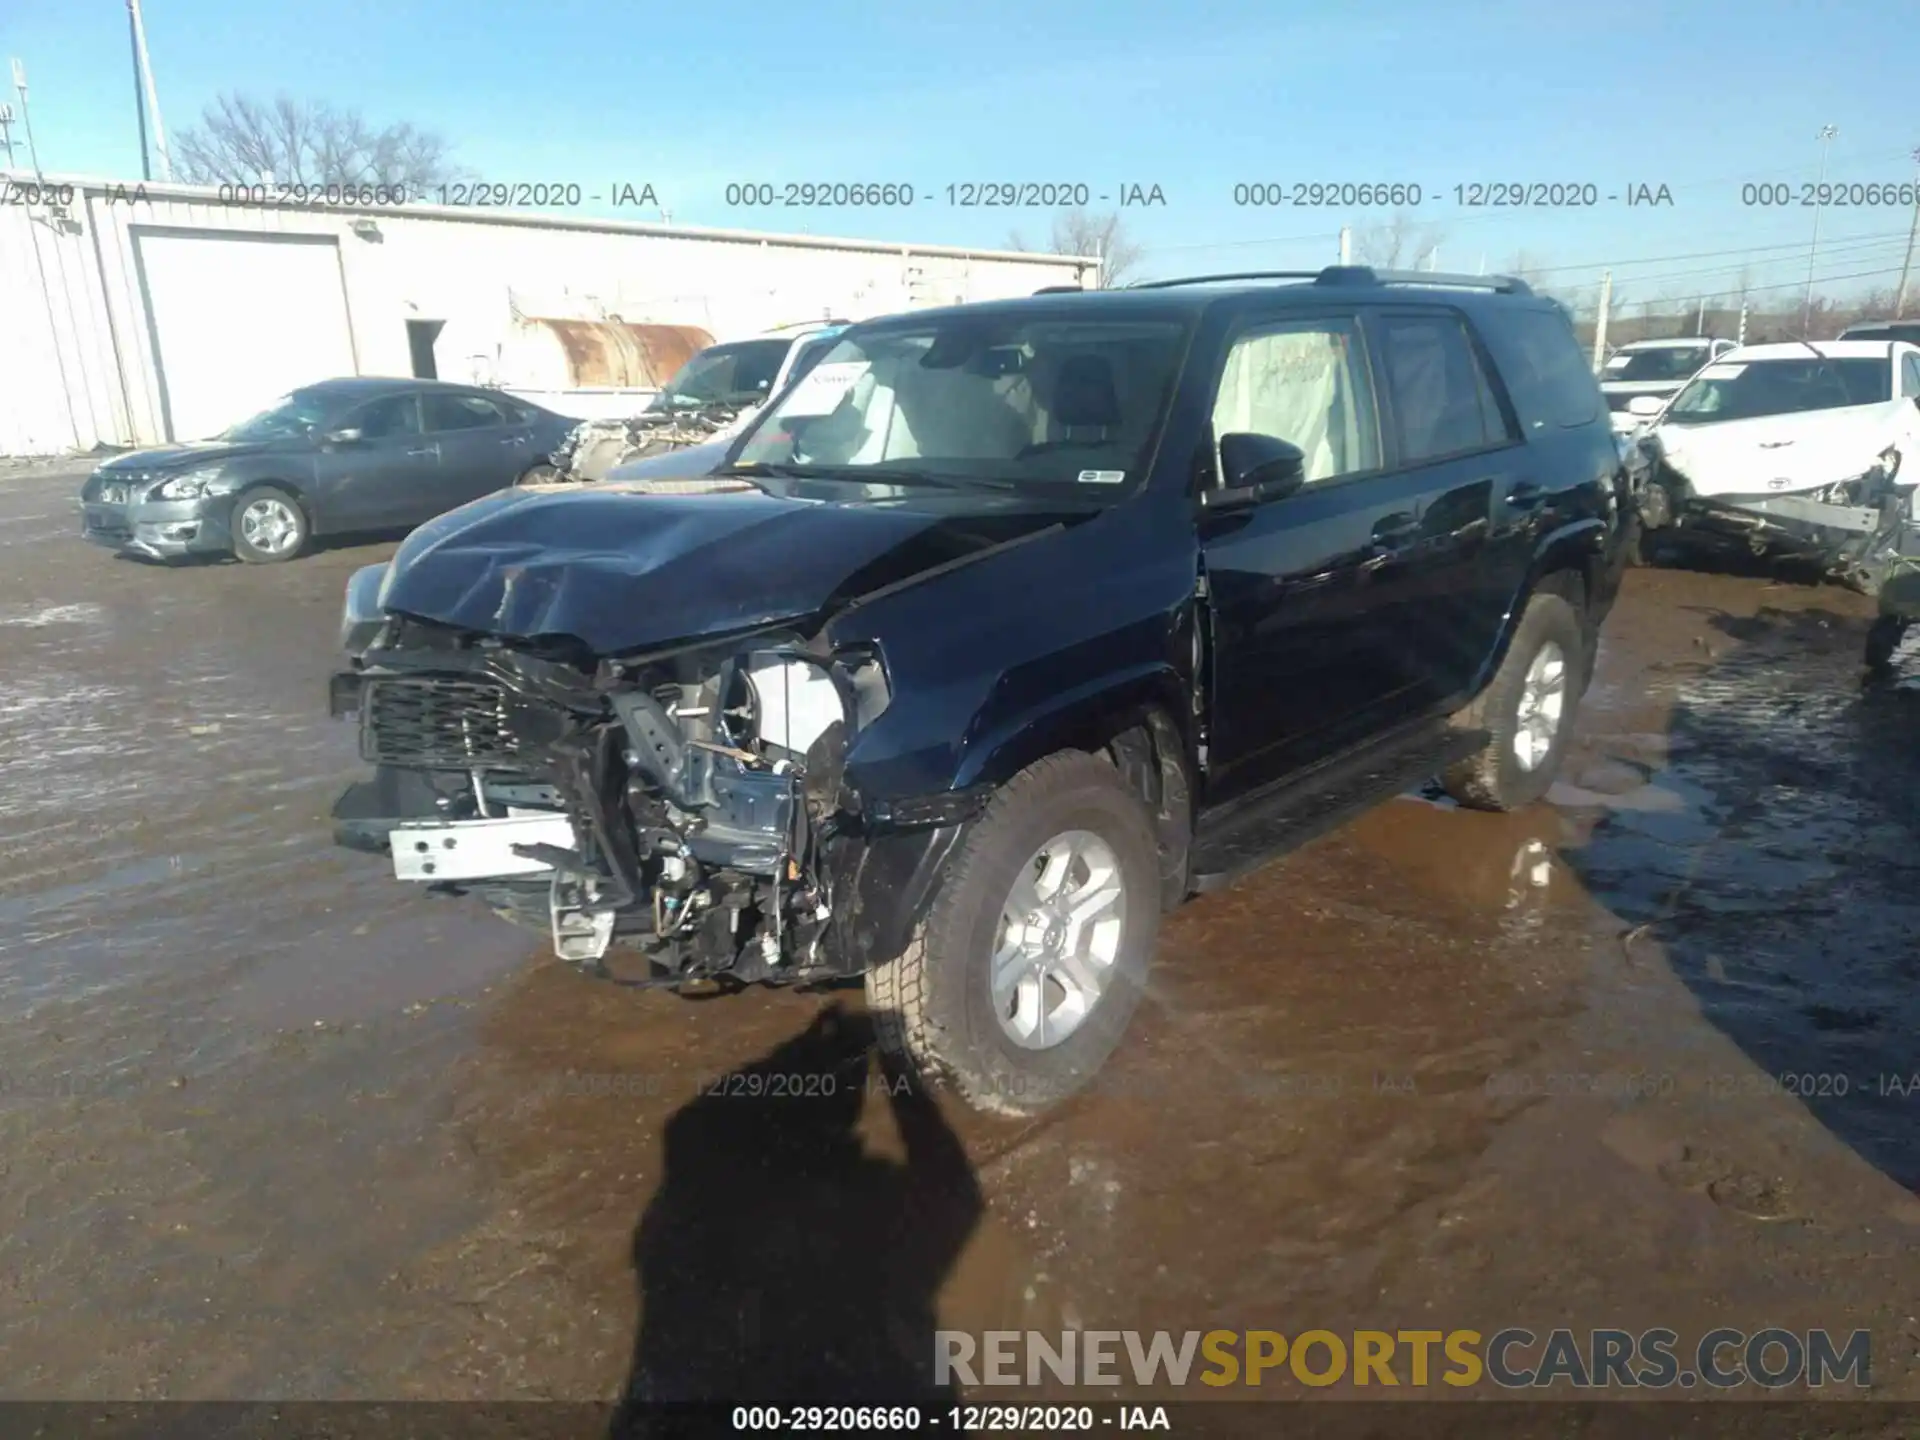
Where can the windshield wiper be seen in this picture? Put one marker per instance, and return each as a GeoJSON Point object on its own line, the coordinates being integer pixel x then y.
{"type": "Point", "coordinates": [871, 475]}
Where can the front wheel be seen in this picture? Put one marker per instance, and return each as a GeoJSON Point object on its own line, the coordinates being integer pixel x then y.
{"type": "Point", "coordinates": [1527, 710]}
{"type": "Point", "coordinates": [269, 526]}
{"type": "Point", "coordinates": [1023, 977]}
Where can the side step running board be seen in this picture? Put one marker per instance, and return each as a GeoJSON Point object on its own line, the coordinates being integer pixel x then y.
{"type": "Point", "coordinates": [1322, 802]}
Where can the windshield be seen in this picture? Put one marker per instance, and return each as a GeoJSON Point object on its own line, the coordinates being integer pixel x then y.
{"type": "Point", "coordinates": [1908, 333]}
{"type": "Point", "coordinates": [1669, 362]}
{"type": "Point", "coordinates": [736, 374]}
{"type": "Point", "coordinates": [1019, 400]}
{"type": "Point", "coordinates": [1781, 387]}
{"type": "Point", "coordinates": [291, 415]}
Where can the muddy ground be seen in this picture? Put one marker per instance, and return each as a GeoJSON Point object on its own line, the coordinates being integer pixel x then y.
{"type": "Point", "coordinates": [274, 1125]}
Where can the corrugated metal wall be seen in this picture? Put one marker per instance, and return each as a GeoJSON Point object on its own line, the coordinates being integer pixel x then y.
{"type": "Point", "coordinates": [78, 362]}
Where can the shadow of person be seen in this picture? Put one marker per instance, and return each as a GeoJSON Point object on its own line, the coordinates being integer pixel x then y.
{"type": "Point", "coordinates": [779, 1262]}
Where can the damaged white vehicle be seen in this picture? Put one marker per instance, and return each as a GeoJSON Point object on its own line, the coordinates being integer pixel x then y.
{"type": "Point", "coordinates": [710, 399]}
{"type": "Point", "coordinates": [1800, 450]}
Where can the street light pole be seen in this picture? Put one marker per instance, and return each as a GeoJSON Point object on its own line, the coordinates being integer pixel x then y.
{"type": "Point", "coordinates": [1825, 137]}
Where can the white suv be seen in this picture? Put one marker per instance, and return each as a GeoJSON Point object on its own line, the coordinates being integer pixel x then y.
{"type": "Point", "coordinates": [1655, 368]}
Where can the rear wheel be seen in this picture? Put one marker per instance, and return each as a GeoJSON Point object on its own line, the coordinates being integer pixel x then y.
{"type": "Point", "coordinates": [1528, 708]}
{"type": "Point", "coordinates": [1023, 977]}
{"type": "Point", "coordinates": [268, 526]}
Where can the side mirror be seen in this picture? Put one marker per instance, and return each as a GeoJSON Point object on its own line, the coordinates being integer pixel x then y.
{"type": "Point", "coordinates": [1256, 469]}
{"type": "Point", "coordinates": [1646, 405]}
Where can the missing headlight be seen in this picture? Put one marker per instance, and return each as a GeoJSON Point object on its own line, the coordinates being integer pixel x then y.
{"type": "Point", "coordinates": [794, 701]}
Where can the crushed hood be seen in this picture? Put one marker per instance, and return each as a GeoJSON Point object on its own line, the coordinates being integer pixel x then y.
{"type": "Point", "coordinates": [1780, 453]}
{"type": "Point", "coordinates": [625, 571]}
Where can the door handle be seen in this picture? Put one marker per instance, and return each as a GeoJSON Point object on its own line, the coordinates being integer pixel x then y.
{"type": "Point", "coordinates": [1526, 494]}
{"type": "Point", "coordinates": [425, 450]}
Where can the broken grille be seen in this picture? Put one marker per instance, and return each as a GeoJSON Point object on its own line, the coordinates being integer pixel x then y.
{"type": "Point", "coordinates": [439, 724]}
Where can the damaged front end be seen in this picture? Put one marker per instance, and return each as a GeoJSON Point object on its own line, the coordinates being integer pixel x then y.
{"type": "Point", "coordinates": [690, 804]}
{"type": "Point", "coordinates": [1853, 528]}
{"type": "Point", "coordinates": [595, 447]}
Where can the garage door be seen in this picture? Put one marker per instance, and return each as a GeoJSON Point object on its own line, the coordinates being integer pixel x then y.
{"type": "Point", "coordinates": [239, 320]}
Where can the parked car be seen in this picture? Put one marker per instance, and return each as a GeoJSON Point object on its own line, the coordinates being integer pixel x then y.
{"type": "Point", "coordinates": [1906, 331]}
{"type": "Point", "coordinates": [340, 456]}
{"type": "Point", "coordinates": [1794, 449]}
{"type": "Point", "coordinates": [1023, 622]}
{"type": "Point", "coordinates": [1656, 368]}
{"type": "Point", "coordinates": [712, 397]}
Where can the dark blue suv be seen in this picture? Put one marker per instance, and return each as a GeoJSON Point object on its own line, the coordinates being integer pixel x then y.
{"type": "Point", "coordinates": [1004, 629]}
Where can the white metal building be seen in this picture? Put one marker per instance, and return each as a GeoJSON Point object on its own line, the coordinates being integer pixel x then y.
{"type": "Point", "coordinates": [137, 314]}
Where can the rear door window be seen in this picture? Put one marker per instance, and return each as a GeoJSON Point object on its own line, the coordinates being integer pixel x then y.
{"type": "Point", "coordinates": [462, 412]}
{"type": "Point", "coordinates": [1539, 358]}
{"type": "Point", "coordinates": [1438, 393]}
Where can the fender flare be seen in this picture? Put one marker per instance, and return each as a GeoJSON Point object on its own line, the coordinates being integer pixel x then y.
{"type": "Point", "coordinates": [1084, 718]}
{"type": "Point", "coordinates": [1578, 548]}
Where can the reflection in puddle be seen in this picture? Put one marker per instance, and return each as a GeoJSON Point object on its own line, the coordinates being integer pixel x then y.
{"type": "Point", "coordinates": [1781, 885]}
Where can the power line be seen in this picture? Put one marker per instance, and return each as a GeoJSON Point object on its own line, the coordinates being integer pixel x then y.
{"type": "Point", "coordinates": [1711, 254]}
{"type": "Point", "coordinates": [1856, 252]}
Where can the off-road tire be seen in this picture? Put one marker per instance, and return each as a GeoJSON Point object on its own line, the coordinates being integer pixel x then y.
{"type": "Point", "coordinates": [1493, 779]}
{"type": "Point", "coordinates": [932, 1004]}
{"type": "Point", "coordinates": [252, 555]}
{"type": "Point", "coordinates": [1883, 639]}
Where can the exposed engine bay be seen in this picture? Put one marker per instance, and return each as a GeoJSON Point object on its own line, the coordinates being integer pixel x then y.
{"type": "Point", "coordinates": [596, 446]}
{"type": "Point", "coordinates": [688, 803]}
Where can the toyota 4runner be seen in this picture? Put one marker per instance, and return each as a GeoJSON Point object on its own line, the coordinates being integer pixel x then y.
{"type": "Point", "coordinates": [1005, 630]}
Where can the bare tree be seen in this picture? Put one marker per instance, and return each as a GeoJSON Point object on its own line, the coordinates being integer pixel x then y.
{"type": "Point", "coordinates": [1102, 237]}
{"type": "Point", "coordinates": [1401, 244]}
{"type": "Point", "coordinates": [240, 140]}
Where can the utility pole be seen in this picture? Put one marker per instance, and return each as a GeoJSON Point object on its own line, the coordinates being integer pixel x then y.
{"type": "Point", "coordinates": [139, 95]}
{"type": "Point", "coordinates": [1600, 320]}
{"type": "Point", "coordinates": [1900, 295]}
{"type": "Point", "coordinates": [144, 63]}
{"type": "Point", "coordinates": [26, 116]}
{"type": "Point", "coordinates": [1741, 338]}
{"type": "Point", "coordinates": [1700, 321]}
{"type": "Point", "coordinates": [1825, 137]}
{"type": "Point", "coordinates": [6, 132]}
{"type": "Point", "coordinates": [1346, 244]}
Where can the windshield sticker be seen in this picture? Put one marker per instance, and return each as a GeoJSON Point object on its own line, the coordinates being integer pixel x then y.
{"type": "Point", "coordinates": [1102, 477]}
{"type": "Point", "coordinates": [1619, 362]}
{"type": "Point", "coordinates": [1723, 372]}
{"type": "Point", "coordinates": [824, 387]}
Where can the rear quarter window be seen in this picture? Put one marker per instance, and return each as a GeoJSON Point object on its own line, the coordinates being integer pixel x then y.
{"type": "Point", "coordinates": [1539, 358]}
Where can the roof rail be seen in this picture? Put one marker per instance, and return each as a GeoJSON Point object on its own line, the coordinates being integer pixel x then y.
{"type": "Point", "coordinates": [1216, 279]}
{"type": "Point", "coordinates": [1061, 290]}
{"type": "Point", "coordinates": [1358, 275]}
{"type": "Point", "coordinates": [1444, 279]}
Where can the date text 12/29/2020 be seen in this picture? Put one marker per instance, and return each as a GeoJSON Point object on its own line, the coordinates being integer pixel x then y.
{"type": "Point", "coordinates": [1476, 195]}
{"type": "Point", "coordinates": [971, 194]}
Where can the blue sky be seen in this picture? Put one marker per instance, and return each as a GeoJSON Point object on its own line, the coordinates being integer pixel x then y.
{"type": "Point", "coordinates": [1698, 95]}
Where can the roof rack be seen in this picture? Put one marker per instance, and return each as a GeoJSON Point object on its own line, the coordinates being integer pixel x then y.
{"type": "Point", "coordinates": [1360, 275]}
